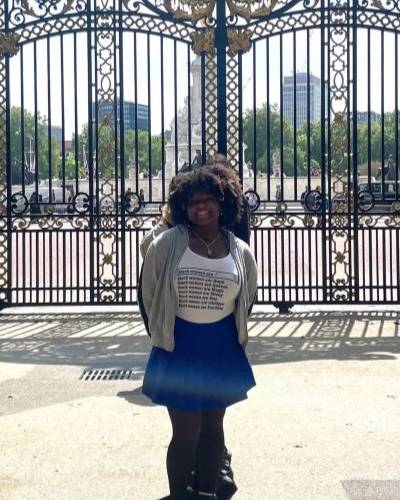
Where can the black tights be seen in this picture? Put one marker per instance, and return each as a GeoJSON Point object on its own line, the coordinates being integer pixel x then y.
{"type": "Point", "coordinates": [199, 432]}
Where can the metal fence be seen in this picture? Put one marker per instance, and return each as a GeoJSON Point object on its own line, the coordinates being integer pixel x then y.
{"type": "Point", "coordinates": [103, 101]}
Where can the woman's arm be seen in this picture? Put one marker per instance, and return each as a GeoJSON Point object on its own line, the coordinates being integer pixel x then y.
{"type": "Point", "coordinates": [251, 271]}
{"type": "Point", "coordinates": [149, 277]}
{"type": "Point", "coordinates": [150, 236]}
{"type": "Point", "coordinates": [154, 267]}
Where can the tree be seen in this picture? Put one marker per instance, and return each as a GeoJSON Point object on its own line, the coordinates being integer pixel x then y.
{"type": "Point", "coordinates": [340, 136]}
{"type": "Point", "coordinates": [389, 142]}
{"type": "Point", "coordinates": [70, 168]}
{"type": "Point", "coordinates": [315, 147]}
{"type": "Point", "coordinates": [143, 150]}
{"type": "Point", "coordinates": [108, 142]}
{"type": "Point", "coordinates": [267, 136]}
{"type": "Point", "coordinates": [44, 166]}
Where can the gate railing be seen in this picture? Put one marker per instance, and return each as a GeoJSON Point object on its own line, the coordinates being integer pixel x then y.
{"type": "Point", "coordinates": [291, 91]}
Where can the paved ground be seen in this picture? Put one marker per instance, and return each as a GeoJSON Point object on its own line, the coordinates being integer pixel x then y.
{"type": "Point", "coordinates": [322, 423]}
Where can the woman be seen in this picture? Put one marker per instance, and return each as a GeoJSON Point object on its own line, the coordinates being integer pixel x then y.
{"type": "Point", "coordinates": [199, 283]}
{"type": "Point", "coordinates": [226, 487]}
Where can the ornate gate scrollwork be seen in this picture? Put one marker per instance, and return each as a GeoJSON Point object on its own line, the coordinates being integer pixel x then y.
{"type": "Point", "coordinates": [338, 43]}
{"type": "Point", "coordinates": [203, 10]}
{"type": "Point", "coordinates": [7, 45]}
{"type": "Point", "coordinates": [107, 236]}
{"type": "Point", "coordinates": [103, 214]}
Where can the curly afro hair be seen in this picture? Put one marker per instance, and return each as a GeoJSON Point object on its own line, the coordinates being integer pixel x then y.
{"type": "Point", "coordinates": [221, 182]}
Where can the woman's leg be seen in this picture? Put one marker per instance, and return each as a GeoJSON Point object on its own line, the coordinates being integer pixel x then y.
{"type": "Point", "coordinates": [182, 450]}
{"type": "Point", "coordinates": [210, 449]}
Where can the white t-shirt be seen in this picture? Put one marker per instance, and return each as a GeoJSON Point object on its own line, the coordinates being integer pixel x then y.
{"type": "Point", "coordinates": [206, 288]}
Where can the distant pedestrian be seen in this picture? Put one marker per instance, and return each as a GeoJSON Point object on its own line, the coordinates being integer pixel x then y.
{"type": "Point", "coordinates": [303, 196]}
{"type": "Point", "coordinates": [70, 203]}
{"type": "Point", "coordinates": [126, 202]}
{"type": "Point", "coordinates": [197, 160]}
{"type": "Point", "coordinates": [278, 193]}
{"type": "Point", "coordinates": [34, 204]}
{"type": "Point", "coordinates": [142, 197]}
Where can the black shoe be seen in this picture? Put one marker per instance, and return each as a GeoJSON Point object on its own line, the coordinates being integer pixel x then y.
{"type": "Point", "coordinates": [226, 484]}
{"type": "Point", "coordinates": [226, 489]}
{"type": "Point", "coordinates": [190, 495]}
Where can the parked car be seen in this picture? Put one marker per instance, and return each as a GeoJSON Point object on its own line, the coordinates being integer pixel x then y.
{"type": "Point", "coordinates": [382, 194]}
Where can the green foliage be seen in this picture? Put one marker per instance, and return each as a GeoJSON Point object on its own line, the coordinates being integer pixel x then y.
{"type": "Point", "coordinates": [265, 136]}
{"type": "Point", "coordinates": [268, 144]}
{"type": "Point", "coordinates": [315, 147]}
{"type": "Point", "coordinates": [103, 148]}
{"type": "Point", "coordinates": [143, 150]}
{"type": "Point", "coordinates": [389, 143]}
{"type": "Point", "coordinates": [70, 168]}
{"type": "Point", "coordinates": [108, 141]}
{"type": "Point", "coordinates": [338, 133]}
{"type": "Point", "coordinates": [29, 141]}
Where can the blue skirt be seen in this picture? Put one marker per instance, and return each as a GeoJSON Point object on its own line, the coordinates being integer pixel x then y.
{"type": "Point", "coordinates": [208, 368]}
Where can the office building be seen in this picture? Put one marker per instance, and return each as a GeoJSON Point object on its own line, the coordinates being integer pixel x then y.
{"type": "Point", "coordinates": [308, 93]}
{"type": "Point", "coordinates": [362, 117]}
{"type": "Point", "coordinates": [142, 111]}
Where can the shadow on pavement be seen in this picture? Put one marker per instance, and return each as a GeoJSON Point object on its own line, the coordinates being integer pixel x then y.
{"type": "Point", "coordinates": [135, 397]}
{"type": "Point", "coordinates": [57, 343]}
{"type": "Point", "coordinates": [307, 336]}
{"type": "Point", "coordinates": [119, 339]}
{"type": "Point", "coordinates": [362, 489]}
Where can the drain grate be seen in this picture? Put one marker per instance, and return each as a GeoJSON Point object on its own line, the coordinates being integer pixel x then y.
{"type": "Point", "coordinates": [107, 374]}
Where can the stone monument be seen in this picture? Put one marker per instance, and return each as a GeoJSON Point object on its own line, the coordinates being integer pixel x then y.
{"type": "Point", "coordinates": [183, 126]}
{"type": "Point", "coordinates": [182, 134]}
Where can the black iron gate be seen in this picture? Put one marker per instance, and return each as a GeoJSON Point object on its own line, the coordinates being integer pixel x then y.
{"type": "Point", "coordinates": [103, 101]}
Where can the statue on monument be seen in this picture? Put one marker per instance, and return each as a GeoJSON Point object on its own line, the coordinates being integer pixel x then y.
{"type": "Point", "coordinates": [182, 124]}
{"type": "Point", "coordinates": [181, 135]}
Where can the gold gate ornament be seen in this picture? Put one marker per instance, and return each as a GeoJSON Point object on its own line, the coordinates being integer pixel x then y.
{"type": "Point", "coordinates": [8, 44]}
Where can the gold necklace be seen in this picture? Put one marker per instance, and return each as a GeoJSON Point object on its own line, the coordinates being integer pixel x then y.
{"type": "Point", "coordinates": [207, 245]}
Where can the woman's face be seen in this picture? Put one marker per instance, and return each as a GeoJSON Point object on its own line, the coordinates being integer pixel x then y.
{"type": "Point", "coordinates": [203, 210]}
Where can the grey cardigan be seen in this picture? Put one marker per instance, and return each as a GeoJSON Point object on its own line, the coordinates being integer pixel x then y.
{"type": "Point", "coordinates": [158, 291]}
